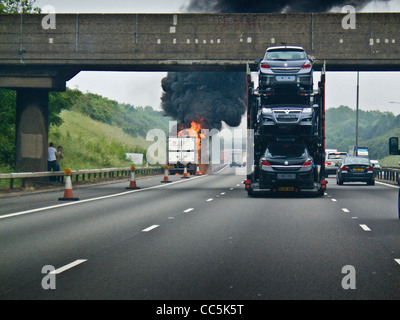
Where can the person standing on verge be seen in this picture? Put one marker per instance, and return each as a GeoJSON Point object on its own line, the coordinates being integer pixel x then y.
{"type": "Point", "coordinates": [59, 156]}
{"type": "Point", "coordinates": [51, 159]}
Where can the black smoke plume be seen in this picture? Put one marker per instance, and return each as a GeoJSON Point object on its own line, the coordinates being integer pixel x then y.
{"type": "Point", "coordinates": [271, 6]}
{"type": "Point", "coordinates": [212, 97]}
{"type": "Point", "coordinates": [207, 98]}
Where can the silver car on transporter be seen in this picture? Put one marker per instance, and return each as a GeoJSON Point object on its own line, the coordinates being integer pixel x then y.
{"type": "Point", "coordinates": [286, 66]}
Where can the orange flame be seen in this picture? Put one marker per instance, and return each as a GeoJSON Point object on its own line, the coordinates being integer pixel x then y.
{"type": "Point", "coordinates": [195, 131]}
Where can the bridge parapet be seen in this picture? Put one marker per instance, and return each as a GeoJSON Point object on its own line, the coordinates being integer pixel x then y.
{"type": "Point", "coordinates": [165, 42]}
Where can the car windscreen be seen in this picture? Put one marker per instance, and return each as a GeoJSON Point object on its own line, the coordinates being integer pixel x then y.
{"type": "Point", "coordinates": [336, 156]}
{"type": "Point", "coordinates": [286, 151]}
{"type": "Point", "coordinates": [285, 55]}
{"type": "Point", "coordinates": [362, 161]}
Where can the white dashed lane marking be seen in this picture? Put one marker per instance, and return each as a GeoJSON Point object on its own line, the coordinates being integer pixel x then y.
{"type": "Point", "coordinates": [365, 227]}
{"type": "Point", "coordinates": [150, 228]}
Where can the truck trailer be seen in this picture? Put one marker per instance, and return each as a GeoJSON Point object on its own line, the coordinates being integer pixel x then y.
{"type": "Point", "coordinates": [182, 151]}
{"type": "Point", "coordinates": [287, 144]}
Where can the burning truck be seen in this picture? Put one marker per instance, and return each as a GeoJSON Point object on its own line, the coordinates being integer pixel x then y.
{"type": "Point", "coordinates": [185, 150]}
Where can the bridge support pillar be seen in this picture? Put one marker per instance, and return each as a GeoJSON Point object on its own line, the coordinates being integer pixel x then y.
{"type": "Point", "coordinates": [32, 130]}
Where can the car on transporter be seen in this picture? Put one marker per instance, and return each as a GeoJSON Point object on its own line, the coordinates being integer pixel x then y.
{"type": "Point", "coordinates": [285, 67]}
{"type": "Point", "coordinates": [287, 117]}
{"type": "Point", "coordinates": [286, 166]}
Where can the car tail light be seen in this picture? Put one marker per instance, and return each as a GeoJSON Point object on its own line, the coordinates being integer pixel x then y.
{"type": "Point", "coordinates": [264, 65]}
{"type": "Point", "coordinates": [265, 163]}
{"type": "Point", "coordinates": [307, 163]}
{"type": "Point", "coordinates": [307, 65]}
{"type": "Point", "coordinates": [328, 163]}
{"type": "Point", "coordinates": [370, 169]}
{"type": "Point", "coordinates": [344, 169]}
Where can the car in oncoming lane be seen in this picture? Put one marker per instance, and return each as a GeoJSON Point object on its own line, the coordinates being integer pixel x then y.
{"type": "Point", "coordinates": [355, 169]}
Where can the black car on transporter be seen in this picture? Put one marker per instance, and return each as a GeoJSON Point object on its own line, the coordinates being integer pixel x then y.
{"type": "Point", "coordinates": [355, 169]}
{"type": "Point", "coordinates": [286, 166]}
{"type": "Point", "coordinates": [286, 66]}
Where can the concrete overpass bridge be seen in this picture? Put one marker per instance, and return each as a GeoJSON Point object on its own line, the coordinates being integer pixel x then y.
{"type": "Point", "coordinates": [35, 59]}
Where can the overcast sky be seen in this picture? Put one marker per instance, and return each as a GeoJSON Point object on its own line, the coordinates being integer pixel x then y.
{"type": "Point", "coordinates": [377, 89]}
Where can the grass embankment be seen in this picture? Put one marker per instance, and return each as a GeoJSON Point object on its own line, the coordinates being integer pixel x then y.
{"type": "Point", "coordinates": [89, 144]}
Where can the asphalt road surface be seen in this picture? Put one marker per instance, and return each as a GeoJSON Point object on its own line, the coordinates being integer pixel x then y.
{"type": "Point", "coordinates": [201, 238]}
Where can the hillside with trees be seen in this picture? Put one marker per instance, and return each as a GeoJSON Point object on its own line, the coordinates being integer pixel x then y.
{"type": "Point", "coordinates": [374, 130]}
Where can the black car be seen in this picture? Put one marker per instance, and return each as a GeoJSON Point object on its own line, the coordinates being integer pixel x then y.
{"type": "Point", "coordinates": [355, 169]}
{"type": "Point", "coordinates": [288, 117]}
{"type": "Point", "coordinates": [286, 66]}
{"type": "Point", "coordinates": [286, 166]}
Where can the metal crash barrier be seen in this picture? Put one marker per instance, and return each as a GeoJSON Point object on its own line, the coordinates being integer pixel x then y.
{"type": "Point", "coordinates": [77, 175]}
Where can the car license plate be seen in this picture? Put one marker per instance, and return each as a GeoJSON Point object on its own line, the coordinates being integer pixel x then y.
{"type": "Point", "coordinates": [287, 117]}
{"type": "Point", "coordinates": [285, 78]}
{"type": "Point", "coordinates": [358, 169]}
{"type": "Point", "coordinates": [286, 176]}
{"type": "Point", "coordinates": [286, 189]}
{"type": "Point", "coordinates": [337, 164]}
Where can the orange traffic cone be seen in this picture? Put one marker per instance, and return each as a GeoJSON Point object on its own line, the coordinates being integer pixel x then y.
{"type": "Point", "coordinates": [198, 173]}
{"type": "Point", "coordinates": [68, 194]}
{"type": "Point", "coordinates": [185, 173]}
{"type": "Point", "coordinates": [132, 184]}
{"type": "Point", "coordinates": [166, 179]}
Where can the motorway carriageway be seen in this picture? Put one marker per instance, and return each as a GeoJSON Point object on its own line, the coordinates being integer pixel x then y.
{"type": "Point", "coordinates": [202, 238]}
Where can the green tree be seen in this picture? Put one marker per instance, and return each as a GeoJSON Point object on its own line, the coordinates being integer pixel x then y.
{"type": "Point", "coordinates": [7, 126]}
{"type": "Point", "coordinates": [18, 6]}
{"type": "Point", "coordinates": [59, 101]}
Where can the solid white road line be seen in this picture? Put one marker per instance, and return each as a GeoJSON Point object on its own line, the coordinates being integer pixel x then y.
{"type": "Point", "coordinates": [365, 227]}
{"type": "Point", "coordinates": [387, 184]}
{"type": "Point", "coordinates": [188, 210]}
{"type": "Point", "coordinates": [150, 228]}
{"type": "Point", "coordinates": [68, 266]}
